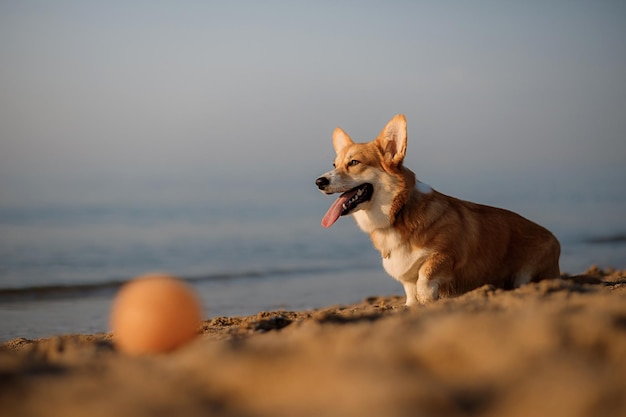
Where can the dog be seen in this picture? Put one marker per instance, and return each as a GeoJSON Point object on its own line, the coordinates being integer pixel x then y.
{"type": "Point", "coordinates": [434, 244]}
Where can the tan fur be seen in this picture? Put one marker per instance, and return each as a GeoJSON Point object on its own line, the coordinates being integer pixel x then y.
{"type": "Point", "coordinates": [436, 245]}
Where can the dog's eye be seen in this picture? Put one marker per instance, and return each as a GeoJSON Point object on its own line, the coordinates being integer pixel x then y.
{"type": "Point", "coordinates": [334, 166]}
{"type": "Point", "coordinates": [353, 163]}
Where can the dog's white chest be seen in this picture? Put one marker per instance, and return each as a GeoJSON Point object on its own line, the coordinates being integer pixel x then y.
{"type": "Point", "coordinates": [403, 263]}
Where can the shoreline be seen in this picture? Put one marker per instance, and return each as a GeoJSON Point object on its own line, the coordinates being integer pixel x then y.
{"type": "Point", "coordinates": [551, 348]}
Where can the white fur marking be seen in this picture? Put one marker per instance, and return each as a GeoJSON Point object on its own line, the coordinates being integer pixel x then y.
{"type": "Point", "coordinates": [403, 263]}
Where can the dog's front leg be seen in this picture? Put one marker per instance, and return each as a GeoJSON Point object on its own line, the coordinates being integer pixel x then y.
{"type": "Point", "coordinates": [429, 278]}
{"type": "Point", "coordinates": [427, 289]}
{"type": "Point", "coordinates": [410, 288]}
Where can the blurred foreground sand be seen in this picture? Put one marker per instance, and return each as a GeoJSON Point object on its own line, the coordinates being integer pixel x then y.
{"type": "Point", "coordinates": [556, 348]}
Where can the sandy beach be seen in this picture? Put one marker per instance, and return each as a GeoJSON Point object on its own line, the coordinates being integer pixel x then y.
{"type": "Point", "coordinates": [556, 348]}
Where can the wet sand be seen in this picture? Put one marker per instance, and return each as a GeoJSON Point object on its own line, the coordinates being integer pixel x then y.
{"type": "Point", "coordinates": [556, 348]}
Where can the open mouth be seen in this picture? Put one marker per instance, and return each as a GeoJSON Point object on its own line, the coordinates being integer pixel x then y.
{"type": "Point", "coordinates": [347, 202]}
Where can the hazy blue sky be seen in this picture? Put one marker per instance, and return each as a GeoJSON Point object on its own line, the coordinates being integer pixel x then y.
{"type": "Point", "coordinates": [129, 89]}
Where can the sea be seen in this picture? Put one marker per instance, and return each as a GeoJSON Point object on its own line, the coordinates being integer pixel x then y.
{"type": "Point", "coordinates": [245, 247]}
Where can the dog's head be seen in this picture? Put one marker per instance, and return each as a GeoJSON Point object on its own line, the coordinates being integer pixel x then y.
{"type": "Point", "coordinates": [365, 173]}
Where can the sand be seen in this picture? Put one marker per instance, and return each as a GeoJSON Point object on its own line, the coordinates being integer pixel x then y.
{"type": "Point", "coordinates": [556, 348]}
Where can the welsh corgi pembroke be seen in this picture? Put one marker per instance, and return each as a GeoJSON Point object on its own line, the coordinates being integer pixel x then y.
{"type": "Point", "coordinates": [434, 244]}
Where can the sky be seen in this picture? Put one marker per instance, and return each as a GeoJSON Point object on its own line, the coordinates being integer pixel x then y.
{"type": "Point", "coordinates": [124, 91]}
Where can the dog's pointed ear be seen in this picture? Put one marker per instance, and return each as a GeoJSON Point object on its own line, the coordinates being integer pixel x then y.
{"type": "Point", "coordinates": [340, 139]}
{"type": "Point", "coordinates": [392, 140]}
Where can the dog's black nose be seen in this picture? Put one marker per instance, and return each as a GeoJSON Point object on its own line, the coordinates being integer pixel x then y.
{"type": "Point", "coordinates": [322, 182]}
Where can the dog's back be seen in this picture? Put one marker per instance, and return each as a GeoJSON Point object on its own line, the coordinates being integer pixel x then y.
{"type": "Point", "coordinates": [475, 244]}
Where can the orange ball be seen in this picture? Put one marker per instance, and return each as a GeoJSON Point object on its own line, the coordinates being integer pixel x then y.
{"type": "Point", "coordinates": [154, 313]}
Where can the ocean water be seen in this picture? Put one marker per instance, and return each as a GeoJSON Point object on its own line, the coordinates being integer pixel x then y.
{"type": "Point", "coordinates": [244, 248]}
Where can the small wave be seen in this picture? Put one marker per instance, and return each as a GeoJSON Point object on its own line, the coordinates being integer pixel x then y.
{"type": "Point", "coordinates": [615, 238]}
{"type": "Point", "coordinates": [57, 291]}
{"type": "Point", "coordinates": [68, 291]}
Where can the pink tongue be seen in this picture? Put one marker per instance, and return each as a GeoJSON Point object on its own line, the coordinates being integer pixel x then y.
{"type": "Point", "coordinates": [334, 212]}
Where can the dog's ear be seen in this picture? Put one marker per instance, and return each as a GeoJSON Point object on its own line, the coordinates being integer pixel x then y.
{"type": "Point", "coordinates": [392, 140]}
{"type": "Point", "coordinates": [341, 139]}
